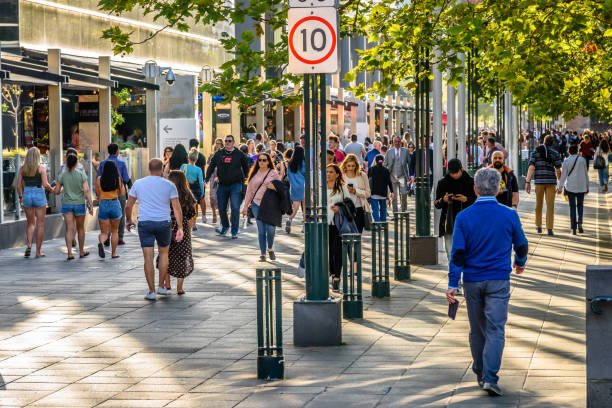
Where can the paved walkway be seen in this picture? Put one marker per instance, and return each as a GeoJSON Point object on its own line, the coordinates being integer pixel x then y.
{"type": "Point", "coordinates": [80, 333]}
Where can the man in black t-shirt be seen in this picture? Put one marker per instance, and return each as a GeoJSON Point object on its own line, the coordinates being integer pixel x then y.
{"type": "Point", "coordinates": [508, 194]}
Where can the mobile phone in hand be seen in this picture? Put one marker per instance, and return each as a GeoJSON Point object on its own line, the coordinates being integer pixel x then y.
{"type": "Point", "coordinates": [452, 309]}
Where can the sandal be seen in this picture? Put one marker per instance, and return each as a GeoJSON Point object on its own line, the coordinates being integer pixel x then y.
{"type": "Point", "coordinates": [84, 254]}
{"type": "Point", "coordinates": [41, 256]}
{"type": "Point", "coordinates": [115, 256]}
{"type": "Point", "coordinates": [27, 253]}
{"type": "Point", "coordinates": [70, 258]}
{"type": "Point", "coordinates": [180, 292]}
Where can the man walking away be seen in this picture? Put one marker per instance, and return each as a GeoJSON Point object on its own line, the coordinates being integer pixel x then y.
{"type": "Point", "coordinates": [113, 155]}
{"type": "Point", "coordinates": [508, 186]}
{"type": "Point", "coordinates": [545, 169]}
{"type": "Point", "coordinates": [355, 148]}
{"type": "Point", "coordinates": [397, 160]}
{"type": "Point", "coordinates": [155, 195]}
{"type": "Point", "coordinates": [454, 193]}
{"type": "Point", "coordinates": [232, 168]}
{"type": "Point", "coordinates": [481, 251]}
{"type": "Point", "coordinates": [201, 163]}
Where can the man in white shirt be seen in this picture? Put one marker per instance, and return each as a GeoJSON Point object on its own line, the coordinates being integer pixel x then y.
{"type": "Point", "coordinates": [155, 195]}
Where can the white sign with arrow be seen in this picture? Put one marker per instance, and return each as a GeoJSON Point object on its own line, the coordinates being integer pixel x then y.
{"type": "Point", "coordinates": [175, 131]}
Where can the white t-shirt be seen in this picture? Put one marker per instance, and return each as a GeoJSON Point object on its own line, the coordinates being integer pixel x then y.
{"type": "Point", "coordinates": [153, 194]}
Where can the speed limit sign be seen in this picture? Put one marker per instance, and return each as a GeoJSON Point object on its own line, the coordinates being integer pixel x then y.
{"type": "Point", "coordinates": [313, 40]}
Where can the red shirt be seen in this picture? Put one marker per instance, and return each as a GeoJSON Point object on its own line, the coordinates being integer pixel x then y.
{"type": "Point", "coordinates": [339, 156]}
{"type": "Point", "coordinates": [585, 149]}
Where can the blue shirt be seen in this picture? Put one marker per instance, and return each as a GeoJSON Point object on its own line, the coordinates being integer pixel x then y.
{"type": "Point", "coordinates": [482, 250]}
{"type": "Point", "coordinates": [121, 167]}
{"type": "Point", "coordinates": [370, 156]}
{"type": "Point", "coordinates": [193, 175]}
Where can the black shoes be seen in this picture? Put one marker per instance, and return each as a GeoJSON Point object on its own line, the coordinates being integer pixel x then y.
{"type": "Point", "coordinates": [550, 232]}
{"type": "Point", "coordinates": [492, 389]}
{"type": "Point", "coordinates": [272, 255]}
{"type": "Point", "coordinates": [539, 230]}
{"type": "Point", "coordinates": [580, 230]}
{"type": "Point", "coordinates": [101, 251]}
{"type": "Point", "coordinates": [336, 285]}
{"type": "Point", "coordinates": [480, 381]}
{"type": "Point", "coordinates": [574, 231]}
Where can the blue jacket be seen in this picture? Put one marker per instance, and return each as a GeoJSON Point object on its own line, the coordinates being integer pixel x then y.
{"type": "Point", "coordinates": [482, 250]}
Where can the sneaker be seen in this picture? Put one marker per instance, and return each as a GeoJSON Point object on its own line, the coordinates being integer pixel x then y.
{"type": "Point", "coordinates": [221, 230]}
{"type": "Point", "coordinates": [580, 230]}
{"type": "Point", "coordinates": [235, 236]}
{"type": "Point", "coordinates": [262, 258]}
{"type": "Point", "coordinates": [303, 229]}
{"type": "Point", "coordinates": [121, 242]}
{"type": "Point", "coordinates": [288, 227]}
{"type": "Point", "coordinates": [194, 228]}
{"type": "Point", "coordinates": [550, 232]}
{"type": "Point", "coordinates": [272, 255]}
{"type": "Point", "coordinates": [150, 296]}
{"type": "Point", "coordinates": [539, 230]}
{"type": "Point", "coordinates": [336, 285]}
{"type": "Point", "coordinates": [301, 272]}
{"type": "Point", "coordinates": [204, 220]}
{"type": "Point", "coordinates": [480, 381]}
{"type": "Point", "coordinates": [492, 389]}
{"type": "Point", "coordinates": [574, 231]}
{"type": "Point", "coordinates": [162, 291]}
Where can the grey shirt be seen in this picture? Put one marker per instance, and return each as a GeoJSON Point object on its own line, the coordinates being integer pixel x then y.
{"type": "Point", "coordinates": [357, 149]}
{"type": "Point", "coordinates": [578, 180]}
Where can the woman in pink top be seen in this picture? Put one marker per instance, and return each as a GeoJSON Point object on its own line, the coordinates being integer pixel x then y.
{"type": "Point", "coordinates": [260, 179]}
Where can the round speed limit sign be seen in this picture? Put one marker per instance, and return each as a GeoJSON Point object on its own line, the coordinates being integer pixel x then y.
{"type": "Point", "coordinates": [313, 40]}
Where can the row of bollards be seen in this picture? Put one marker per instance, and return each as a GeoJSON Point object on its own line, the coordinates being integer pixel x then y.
{"type": "Point", "coordinates": [270, 360]}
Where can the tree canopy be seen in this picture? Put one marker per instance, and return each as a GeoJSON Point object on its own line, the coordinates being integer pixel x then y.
{"type": "Point", "coordinates": [553, 55]}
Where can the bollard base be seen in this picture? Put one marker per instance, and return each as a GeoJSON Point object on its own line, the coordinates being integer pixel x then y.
{"type": "Point", "coordinates": [270, 368]}
{"type": "Point", "coordinates": [317, 323]}
{"type": "Point", "coordinates": [352, 309]}
{"type": "Point", "coordinates": [381, 289]}
{"type": "Point", "coordinates": [423, 250]}
{"type": "Point", "coordinates": [402, 273]}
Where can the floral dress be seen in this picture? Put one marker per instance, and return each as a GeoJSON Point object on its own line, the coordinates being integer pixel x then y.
{"type": "Point", "coordinates": [180, 259]}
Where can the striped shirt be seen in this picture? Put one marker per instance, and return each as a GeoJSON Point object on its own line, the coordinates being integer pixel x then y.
{"type": "Point", "coordinates": [545, 165]}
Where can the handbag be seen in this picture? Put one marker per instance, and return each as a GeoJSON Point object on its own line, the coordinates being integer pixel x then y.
{"type": "Point", "coordinates": [600, 162]}
{"type": "Point", "coordinates": [568, 174]}
{"type": "Point", "coordinates": [367, 221]}
{"type": "Point", "coordinates": [250, 209]}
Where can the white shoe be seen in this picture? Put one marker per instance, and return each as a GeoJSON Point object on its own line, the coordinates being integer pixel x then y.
{"type": "Point", "coordinates": [301, 272]}
{"type": "Point", "coordinates": [204, 220]}
{"type": "Point", "coordinates": [162, 291]}
{"type": "Point", "coordinates": [150, 295]}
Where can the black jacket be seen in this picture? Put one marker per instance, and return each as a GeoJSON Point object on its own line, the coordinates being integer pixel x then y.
{"type": "Point", "coordinates": [232, 167]}
{"type": "Point", "coordinates": [274, 204]}
{"type": "Point", "coordinates": [464, 185]}
{"type": "Point", "coordinates": [380, 180]}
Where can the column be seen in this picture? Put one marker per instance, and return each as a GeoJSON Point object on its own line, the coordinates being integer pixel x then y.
{"type": "Point", "coordinates": [104, 104]}
{"type": "Point", "coordinates": [450, 123]}
{"type": "Point", "coordinates": [280, 121]}
{"type": "Point", "coordinates": [461, 154]}
{"type": "Point", "coordinates": [152, 101]}
{"type": "Point", "coordinates": [438, 163]}
{"type": "Point", "coordinates": [235, 115]}
{"type": "Point", "coordinates": [260, 119]}
{"type": "Point", "coordinates": [389, 125]}
{"type": "Point", "coordinates": [515, 161]}
{"type": "Point", "coordinates": [372, 116]}
{"type": "Point", "coordinates": [55, 115]}
{"type": "Point", "coordinates": [327, 107]}
{"type": "Point", "coordinates": [508, 124]}
{"type": "Point", "coordinates": [207, 133]}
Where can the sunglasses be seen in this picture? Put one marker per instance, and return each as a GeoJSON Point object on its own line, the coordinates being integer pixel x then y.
{"type": "Point", "coordinates": [229, 141]}
{"type": "Point", "coordinates": [262, 160]}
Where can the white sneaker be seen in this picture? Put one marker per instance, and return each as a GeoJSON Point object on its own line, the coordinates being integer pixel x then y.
{"type": "Point", "coordinates": [150, 295]}
{"type": "Point", "coordinates": [162, 291]}
{"type": "Point", "coordinates": [204, 219]}
{"type": "Point", "coordinates": [301, 272]}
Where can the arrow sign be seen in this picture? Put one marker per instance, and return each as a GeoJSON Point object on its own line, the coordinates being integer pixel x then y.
{"type": "Point", "coordinates": [313, 39]}
{"type": "Point", "coordinates": [167, 129]}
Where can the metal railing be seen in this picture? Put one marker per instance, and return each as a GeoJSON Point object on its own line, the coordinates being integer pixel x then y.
{"type": "Point", "coordinates": [401, 246]}
{"type": "Point", "coordinates": [380, 260]}
{"type": "Point", "coordinates": [270, 361]}
{"type": "Point", "coordinates": [352, 303]}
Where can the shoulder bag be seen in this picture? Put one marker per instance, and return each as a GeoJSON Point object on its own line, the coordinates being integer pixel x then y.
{"type": "Point", "coordinates": [568, 174]}
{"type": "Point", "coordinates": [250, 209]}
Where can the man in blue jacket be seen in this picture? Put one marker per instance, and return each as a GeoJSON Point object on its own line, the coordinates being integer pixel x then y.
{"type": "Point", "coordinates": [482, 252]}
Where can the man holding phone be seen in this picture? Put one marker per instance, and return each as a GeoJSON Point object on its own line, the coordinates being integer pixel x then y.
{"type": "Point", "coordinates": [481, 252]}
{"type": "Point", "coordinates": [454, 193]}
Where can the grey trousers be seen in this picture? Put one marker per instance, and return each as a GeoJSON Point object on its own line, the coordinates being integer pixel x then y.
{"type": "Point", "coordinates": [399, 193]}
{"type": "Point", "coordinates": [487, 307]}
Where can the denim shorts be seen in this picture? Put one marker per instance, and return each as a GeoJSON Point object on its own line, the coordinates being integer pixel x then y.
{"type": "Point", "coordinates": [109, 210]}
{"type": "Point", "coordinates": [34, 197]}
{"type": "Point", "coordinates": [76, 209]}
{"type": "Point", "coordinates": [151, 231]}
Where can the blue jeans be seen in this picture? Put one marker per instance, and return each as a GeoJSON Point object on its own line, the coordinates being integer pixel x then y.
{"type": "Point", "coordinates": [379, 210]}
{"type": "Point", "coordinates": [576, 203]}
{"type": "Point", "coordinates": [233, 195]}
{"type": "Point", "coordinates": [604, 176]}
{"type": "Point", "coordinates": [487, 307]}
{"type": "Point", "coordinates": [265, 232]}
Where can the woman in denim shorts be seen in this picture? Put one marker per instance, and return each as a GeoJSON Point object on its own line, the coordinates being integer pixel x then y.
{"type": "Point", "coordinates": [31, 185]}
{"type": "Point", "coordinates": [76, 189]}
{"type": "Point", "coordinates": [108, 187]}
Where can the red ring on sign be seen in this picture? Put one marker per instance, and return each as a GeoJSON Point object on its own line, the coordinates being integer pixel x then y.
{"type": "Point", "coordinates": [331, 50]}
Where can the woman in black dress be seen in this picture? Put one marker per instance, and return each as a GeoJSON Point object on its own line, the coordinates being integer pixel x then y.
{"type": "Point", "coordinates": [180, 259]}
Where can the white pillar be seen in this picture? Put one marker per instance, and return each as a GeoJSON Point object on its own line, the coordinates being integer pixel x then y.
{"type": "Point", "coordinates": [152, 101]}
{"type": "Point", "coordinates": [372, 116]}
{"type": "Point", "coordinates": [55, 114]}
{"type": "Point", "coordinates": [514, 159]}
{"type": "Point", "coordinates": [260, 119]}
{"type": "Point", "coordinates": [235, 118]}
{"type": "Point", "coordinates": [280, 121]}
{"type": "Point", "coordinates": [508, 124]}
{"type": "Point", "coordinates": [104, 104]}
{"type": "Point", "coordinates": [450, 123]}
{"type": "Point", "coordinates": [462, 154]}
{"type": "Point", "coordinates": [207, 133]}
{"type": "Point", "coordinates": [437, 132]}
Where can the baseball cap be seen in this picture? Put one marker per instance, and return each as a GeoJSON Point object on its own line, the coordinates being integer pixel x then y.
{"type": "Point", "coordinates": [454, 165]}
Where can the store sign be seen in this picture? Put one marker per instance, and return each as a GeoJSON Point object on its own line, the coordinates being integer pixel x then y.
{"type": "Point", "coordinates": [9, 23]}
{"type": "Point", "coordinates": [224, 116]}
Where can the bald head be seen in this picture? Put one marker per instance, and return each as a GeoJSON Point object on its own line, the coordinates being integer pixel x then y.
{"type": "Point", "coordinates": [155, 167]}
{"type": "Point", "coordinates": [497, 159]}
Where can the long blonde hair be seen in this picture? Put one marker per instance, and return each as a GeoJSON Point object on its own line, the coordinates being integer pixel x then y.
{"type": "Point", "coordinates": [31, 163]}
{"type": "Point", "coordinates": [351, 158]}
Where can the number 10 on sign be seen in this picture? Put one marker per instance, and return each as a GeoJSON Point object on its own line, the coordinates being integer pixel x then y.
{"type": "Point", "coordinates": [313, 40]}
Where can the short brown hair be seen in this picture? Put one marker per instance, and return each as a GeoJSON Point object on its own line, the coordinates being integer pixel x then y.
{"type": "Point", "coordinates": [334, 138]}
{"type": "Point", "coordinates": [155, 165]}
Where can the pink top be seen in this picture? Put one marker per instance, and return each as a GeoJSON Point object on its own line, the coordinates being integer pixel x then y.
{"type": "Point", "coordinates": [255, 182]}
